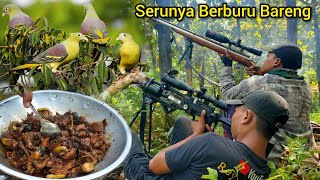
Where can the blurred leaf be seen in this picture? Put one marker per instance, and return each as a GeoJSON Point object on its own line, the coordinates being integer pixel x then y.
{"type": "Point", "coordinates": [37, 78]}
{"type": "Point", "coordinates": [103, 49]}
{"type": "Point", "coordinates": [35, 38]}
{"type": "Point", "coordinates": [94, 85]}
{"type": "Point", "coordinates": [46, 76]}
{"type": "Point", "coordinates": [88, 59]}
{"type": "Point", "coordinates": [86, 89]}
{"type": "Point", "coordinates": [90, 47]}
{"type": "Point", "coordinates": [115, 51]}
{"type": "Point", "coordinates": [45, 21]}
{"type": "Point", "coordinates": [31, 72]}
{"type": "Point", "coordinates": [101, 70]}
{"type": "Point", "coordinates": [63, 85]}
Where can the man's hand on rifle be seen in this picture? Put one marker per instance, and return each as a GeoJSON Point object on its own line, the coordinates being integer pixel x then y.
{"type": "Point", "coordinates": [200, 126]}
{"type": "Point", "coordinates": [225, 58]}
{"type": "Point", "coordinates": [254, 70]}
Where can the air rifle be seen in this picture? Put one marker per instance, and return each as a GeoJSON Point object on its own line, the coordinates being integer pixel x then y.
{"type": "Point", "coordinates": [215, 43]}
{"type": "Point", "coordinates": [174, 94]}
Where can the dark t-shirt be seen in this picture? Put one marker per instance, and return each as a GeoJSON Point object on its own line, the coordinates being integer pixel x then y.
{"type": "Point", "coordinates": [191, 160]}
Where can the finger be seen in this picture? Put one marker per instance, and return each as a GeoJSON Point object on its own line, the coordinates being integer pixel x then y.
{"type": "Point", "coordinates": [208, 128]}
{"type": "Point", "coordinates": [193, 124]}
{"type": "Point", "coordinates": [27, 98]}
{"type": "Point", "coordinates": [258, 72]}
{"type": "Point", "coordinates": [203, 116]}
{"type": "Point", "coordinates": [255, 67]}
{"type": "Point", "coordinates": [227, 53]}
{"type": "Point", "coordinates": [250, 72]}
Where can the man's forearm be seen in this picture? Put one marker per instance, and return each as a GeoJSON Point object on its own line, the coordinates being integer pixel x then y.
{"type": "Point", "coordinates": [230, 90]}
{"type": "Point", "coordinates": [179, 143]}
{"type": "Point", "coordinates": [158, 164]}
{"type": "Point", "coordinates": [227, 79]}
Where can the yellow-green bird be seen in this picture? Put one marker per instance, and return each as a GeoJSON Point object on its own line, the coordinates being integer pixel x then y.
{"type": "Point", "coordinates": [129, 53]}
{"type": "Point", "coordinates": [93, 27]}
{"type": "Point", "coordinates": [16, 16]}
{"type": "Point", "coordinates": [57, 55]}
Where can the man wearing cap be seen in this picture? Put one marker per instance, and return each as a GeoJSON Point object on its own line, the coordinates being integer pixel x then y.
{"type": "Point", "coordinates": [257, 117]}
{"type": "Point", "coordinates": [279, 74]}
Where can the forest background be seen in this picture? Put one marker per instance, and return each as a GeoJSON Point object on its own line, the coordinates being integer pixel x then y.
{"type": "Point", "coordinates": [162, 54]}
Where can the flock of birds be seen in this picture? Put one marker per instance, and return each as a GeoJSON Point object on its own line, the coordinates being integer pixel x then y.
{"type": "Point", "coordinates": [92, 28]}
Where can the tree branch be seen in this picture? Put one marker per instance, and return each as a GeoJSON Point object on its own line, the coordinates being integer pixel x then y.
{"type": "Point", "coordinates": [122, 83]}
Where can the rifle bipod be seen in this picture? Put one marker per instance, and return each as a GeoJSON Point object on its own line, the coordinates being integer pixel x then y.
{"type": "Point", "coordinates": [143, 120]}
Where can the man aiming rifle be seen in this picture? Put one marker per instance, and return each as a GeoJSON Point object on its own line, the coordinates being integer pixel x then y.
{"type": "Point", "coordinates": [257, 117]}
{"type": "Point", "coordinates": [279, 74]}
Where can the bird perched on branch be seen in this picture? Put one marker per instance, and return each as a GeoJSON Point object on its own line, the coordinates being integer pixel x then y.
{"type": "Point", "coordinates": [93, 27]}
{"type": "Point", "coordinates": [16, 16]}
{"type": "Point", "coordinates": [129, 53]}
{"type": "Point", "coordinates": [57, 55]}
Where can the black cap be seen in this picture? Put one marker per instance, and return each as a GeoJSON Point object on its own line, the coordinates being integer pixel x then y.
{"type": "Point", "coordinates": [290, 56]}
{"type": "Point", "coordinates": [268, 105]}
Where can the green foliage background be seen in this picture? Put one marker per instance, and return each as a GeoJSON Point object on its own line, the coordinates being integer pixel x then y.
{"type": "Point", "coordinates": [63, 14]}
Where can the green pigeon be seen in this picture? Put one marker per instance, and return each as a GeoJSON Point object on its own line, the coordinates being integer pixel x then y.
{"type": "Point", "coordinates": [57, 55]}
{"type": "Point", "coordinates": [129, 53]}
{"type": "Point", "coordinates": [93, 27]}
{"type": "Point", "coordinates": [16, 16]}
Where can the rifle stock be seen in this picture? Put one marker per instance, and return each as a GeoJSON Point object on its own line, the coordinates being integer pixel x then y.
{"type": "Point", "coordinates": [211, 44]}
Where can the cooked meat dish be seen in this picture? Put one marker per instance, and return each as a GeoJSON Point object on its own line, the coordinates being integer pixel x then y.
{"type": "Point", "coordinates": [76, 151]}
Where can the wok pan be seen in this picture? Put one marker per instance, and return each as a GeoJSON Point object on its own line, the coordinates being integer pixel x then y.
{"type": "Point", "coordinates": [117, 130]}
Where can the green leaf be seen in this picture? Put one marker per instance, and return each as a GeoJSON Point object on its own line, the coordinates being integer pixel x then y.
{"type": "Point", "coordinates": [81, 52]}
{"type": "Point", "coordinates": [90, 48]}
{"type": "Point", "coordinates": [99, 84]}
{"type": "Point", "coordinates": [63, 85]}
{"type": "Point", "coordinates": [88, 59]}
{"type": "Point", "coordinates": [35, 38]}
{"type": "Point", "coordinates": [94, 85]}
{"type": "Point", "coordinates": [46, 76]}
{"type": "Point", "coordinates": [86, 89]}
{"type": "Point", "coordinates": [272, 165]}
{"type": "Point", "coordinates": [101, 71]}
{"type": "Point", "coordinates": [37, 78]}
{"type": "Point", "coordinates": [56, 32]}
{"type": "Point", "coordinates": [71, 81]}
{"type": "Point", "coordinates": [31, 72]}
{"type": "Point", "coordinates": [45, 22]}
{"type": "Point", "coordinates": [58, 82]}
{"type": "Point", "coordinates": [103, 49]}
{"type": "Point", "coordinates": [115, 51]}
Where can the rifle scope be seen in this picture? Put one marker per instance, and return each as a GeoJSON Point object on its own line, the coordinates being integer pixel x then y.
{"type": "Point", "coordinates": [223, 39]}
{"type": "Point", "coordinates": [184, 87]}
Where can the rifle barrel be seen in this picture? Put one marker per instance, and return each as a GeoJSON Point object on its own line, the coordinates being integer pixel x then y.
{"type": "Point", "coordinates": [211, 44]}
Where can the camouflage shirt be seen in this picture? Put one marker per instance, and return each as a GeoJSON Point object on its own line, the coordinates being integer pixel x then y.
{"type": "Point", "coordinates": [297, 93]}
